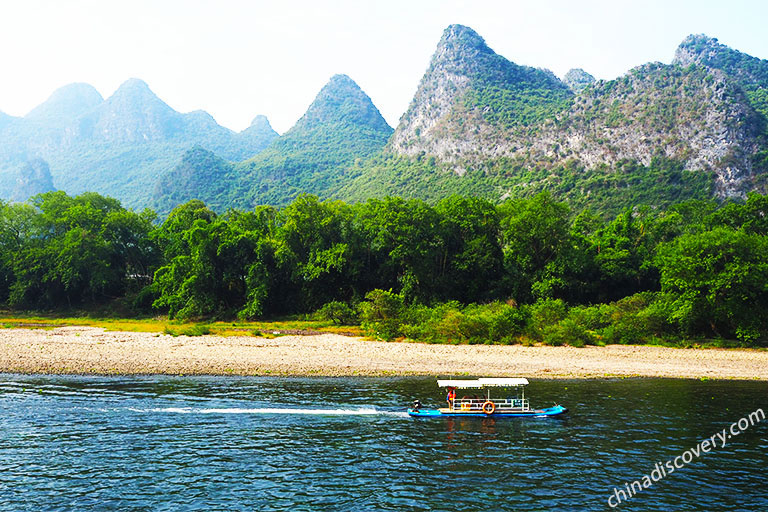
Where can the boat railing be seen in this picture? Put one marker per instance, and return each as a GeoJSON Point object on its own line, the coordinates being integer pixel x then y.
{"type": "Point", "coordinates": [476, 404]}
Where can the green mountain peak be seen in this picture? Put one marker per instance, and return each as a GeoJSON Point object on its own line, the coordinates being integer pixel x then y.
{"type": "Point", "coordinates": [751, 73]}
{"type": "Point", "coordinates": [199, 175]}
{"type": "Point", "coordinates": [134, 93]}
{"type": "Point", "coordinates": [341, 102]}
{"type": "Point", "coordinates": [132, 114]}
{"type": "Point", "coordinates": [260, 122]}
{"type": "Point", "coordinates": [697, 48]}
{"type": "Point", "coordinates": [66, 104]}
{"type": "Point", "coordinates": [456, 36]}
{"type": "Point", "coordinates": [340, 127]}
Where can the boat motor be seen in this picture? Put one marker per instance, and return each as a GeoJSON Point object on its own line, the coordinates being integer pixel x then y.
{"type": "Point", "coordinates": [416, 405]}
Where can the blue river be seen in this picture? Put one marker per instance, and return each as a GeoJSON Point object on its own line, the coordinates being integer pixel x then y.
{"type": "Point", "coordinates": [313, 444]}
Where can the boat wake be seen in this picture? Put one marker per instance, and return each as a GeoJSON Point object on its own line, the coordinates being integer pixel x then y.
{"type": "Point", "coordinates": [284, 411]}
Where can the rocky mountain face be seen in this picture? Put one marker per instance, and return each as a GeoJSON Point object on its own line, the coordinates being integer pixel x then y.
{"type": "Point", "coordinates": [341, 128]}
{"type": "Point", "coordinates": [695, 115]}
{"type": "Point", "coordinates": [34, 178]}
{"type": "Point", "coordinates": [749, 72]}
{"type": "Point", "coordinates": [116, 146]}
{"type": "Point", "coordinates": [470, 98]}
{"type": "Point", "coordinates": [578, 79]}
{"type": "Point", "coordinates": [474, 111]}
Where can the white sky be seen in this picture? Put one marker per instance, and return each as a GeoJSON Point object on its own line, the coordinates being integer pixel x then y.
{"type": "Point", "coordinates": [236, 59]}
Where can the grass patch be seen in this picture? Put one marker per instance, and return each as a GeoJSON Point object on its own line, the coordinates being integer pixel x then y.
{"type": "Point", "coordinates": [196, 330]}
{"type": "Point", "coordinates": [162, 325]}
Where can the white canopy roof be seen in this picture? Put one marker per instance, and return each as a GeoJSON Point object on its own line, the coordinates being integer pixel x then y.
{"type": "Point", "coordinates": [482, 383]}
{"type": "Point", "coordinates": [493, 382]}
{"type": "Point", "coordinates": [460, 384]}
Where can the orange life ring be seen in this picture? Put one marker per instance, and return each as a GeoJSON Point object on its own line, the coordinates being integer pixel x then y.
{"type": "Point", "coordinates": [489, 407]}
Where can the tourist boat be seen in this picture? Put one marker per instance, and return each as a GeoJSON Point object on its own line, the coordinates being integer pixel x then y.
{"type": "Point", "coordinates": [485, 406]}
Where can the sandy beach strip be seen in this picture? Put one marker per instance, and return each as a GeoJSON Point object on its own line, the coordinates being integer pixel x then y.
{"type": "Point", "coordinates": [89, 350]}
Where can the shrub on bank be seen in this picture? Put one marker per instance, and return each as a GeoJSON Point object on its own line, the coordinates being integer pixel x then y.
{"type": "Point", "coordinates": [385, 315]}
{"type": "Point", "coordinates": [382, 313]}
{"type": "Point", "coordinates": [492, 323]}
{"type": "Point", "coordinates": [638, 319]}
{"type": "Point", "coordinates": [568, 332]}
{"type": "Point", "coordinates": [340, 313]}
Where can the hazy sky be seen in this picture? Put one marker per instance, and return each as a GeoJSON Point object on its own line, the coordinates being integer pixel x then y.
{"type": "Point", "coordinates": [236, 59]}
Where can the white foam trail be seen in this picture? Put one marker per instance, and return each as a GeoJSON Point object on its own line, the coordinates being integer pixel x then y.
{"type": "Point", "coordinates": [51, 391]}
{"type": "Point", "coordinates": [314, 412]}
{"type": "Point", "coordinates": [15, 384]}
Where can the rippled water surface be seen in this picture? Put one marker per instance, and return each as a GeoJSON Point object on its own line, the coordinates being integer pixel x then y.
{"type": "Point", "coordinates": [216, 443]}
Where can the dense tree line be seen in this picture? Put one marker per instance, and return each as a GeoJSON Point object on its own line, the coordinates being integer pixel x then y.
{"type": "Point", "coordinates": [468, 268]}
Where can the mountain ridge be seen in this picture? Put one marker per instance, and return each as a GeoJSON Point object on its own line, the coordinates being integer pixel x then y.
{"type": "Point", "coordinates": [478, 124]}
{"type": "Point", "coordinates": [66, 104]}
{"type": "Point", "coordinates": [466, 79]}
{"type": "Point", "coordinates": [114, 145]}
{"type": "Point", "coordinates": [702, 116]}
{"type": "Point", "coordinates": [340, 126]}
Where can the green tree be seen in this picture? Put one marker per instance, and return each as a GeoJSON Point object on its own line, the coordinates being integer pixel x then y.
{"type": "Point", "coordinates": [404, 237]}
{"type": "Point", "coordinates": [536, 240]}
{"type": "Point", "coordinates": [623, 253]}
{"type": "Point", "coordinates": [472, 263]}
{"type": "Point", "coordinates": [69, 250]}
{"type": "Point", "coordinates": [312, 240]}
{"type": "Point", "coordinates": [716, 282]}
{"type": "Point", "coordinates": [750, 216]}
{"type": "Point", "coordinates": [210, 262]}
{"type": "Point", "coordinates": [16, 225]}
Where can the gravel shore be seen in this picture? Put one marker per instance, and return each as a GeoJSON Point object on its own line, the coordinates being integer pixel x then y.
{"type": "Point", "coordinates": [89, 350]}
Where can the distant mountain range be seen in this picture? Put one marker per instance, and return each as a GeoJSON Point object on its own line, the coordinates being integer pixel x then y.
{"type": "Point", "coordinates": [478, 124]}
{"type": "Point", "coordinates": [118, 146]}
{"type": "Point", "coordinates": [340, 130]}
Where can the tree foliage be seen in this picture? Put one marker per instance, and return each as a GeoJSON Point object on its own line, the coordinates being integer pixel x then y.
{"type": "Point", "coordinates": [462, 269]}
{"type": "Point", "coordinates": [62, 250]}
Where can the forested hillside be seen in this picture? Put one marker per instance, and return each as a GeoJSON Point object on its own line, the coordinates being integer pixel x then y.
{"type": "Point", "coordinates": [461, 270]}
{"type": "Point", "coordinates": [340, 129]}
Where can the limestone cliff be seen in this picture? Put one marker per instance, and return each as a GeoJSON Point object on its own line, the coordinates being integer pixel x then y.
{"type": "Point", "coordinates": [473, 107]}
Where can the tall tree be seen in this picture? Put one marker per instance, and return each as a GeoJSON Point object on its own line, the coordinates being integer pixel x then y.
{"type": "Point", "coordinates": [70, 250]}
{"type": "Point", "coordinates": [536, 240]}
{"type": "Point", "coordinates": [472, 263]}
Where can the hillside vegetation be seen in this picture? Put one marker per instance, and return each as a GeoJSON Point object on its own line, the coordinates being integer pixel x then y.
{"type": "Point", "coordinates": [482, 125]}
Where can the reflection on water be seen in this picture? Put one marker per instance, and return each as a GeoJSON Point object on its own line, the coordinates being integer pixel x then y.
{"type": "Point", "coordinates": [214, 443]}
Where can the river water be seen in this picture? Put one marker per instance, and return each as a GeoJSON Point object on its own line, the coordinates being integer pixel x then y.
{"type": "Point", "coordinates": [233, 443]}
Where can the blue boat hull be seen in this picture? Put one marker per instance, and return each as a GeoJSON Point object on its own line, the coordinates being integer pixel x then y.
{"type": "Point", "coordinates": [436, 413]}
